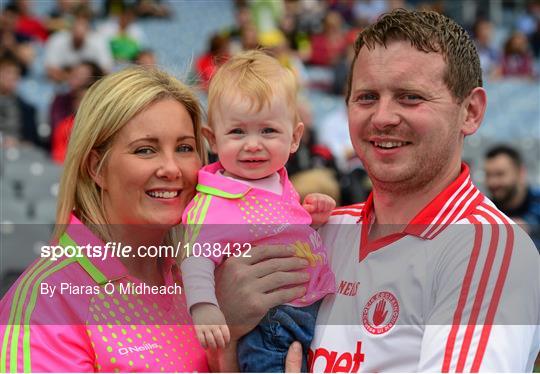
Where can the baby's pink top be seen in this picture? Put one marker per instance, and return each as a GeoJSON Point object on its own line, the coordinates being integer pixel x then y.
{"type": "Point", "coordinates": [228, 211]}
{"type": "Point", "coordinates": [73, 332]}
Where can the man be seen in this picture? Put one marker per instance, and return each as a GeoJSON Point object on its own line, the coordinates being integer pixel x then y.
{"type": "Point", "coordinates": [65, 49]}
{"type": "Point", "coordinates": [17, 117]}
{"type": "Point", "coordinates": [430, 275]}
{"type": "Point", "coordinates": [506, 181]}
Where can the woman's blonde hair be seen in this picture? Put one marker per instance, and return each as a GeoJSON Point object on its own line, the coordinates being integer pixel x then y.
{"type": "Point", "coordinates": [105, 109]}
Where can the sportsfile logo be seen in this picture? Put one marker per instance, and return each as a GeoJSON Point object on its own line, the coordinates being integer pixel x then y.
{"type": "Point", "coordinates": [336, 362]}
{"type": "Point", "coordinates": [145, 347]}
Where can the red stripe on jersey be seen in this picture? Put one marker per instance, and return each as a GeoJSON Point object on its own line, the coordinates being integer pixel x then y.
{"type": "Point", "coordinates": [355, 213]}
{"type": "Point", "coordinates": [465, 198]}
{"type": "Point", "coordinates": [463, 295]}
{"type": "Point", "coordinates": [480, 292]}
{"type": "Point", "coordinates": [486, 330]}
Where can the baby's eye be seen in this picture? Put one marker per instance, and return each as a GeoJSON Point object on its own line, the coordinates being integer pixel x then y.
{"type": "Point", "coordinates": [236, 131]}
{"type": "Point", "coordinates": [268, 130]}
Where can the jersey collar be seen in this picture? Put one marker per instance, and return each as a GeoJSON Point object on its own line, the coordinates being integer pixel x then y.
{"type": "Point", "coordinates": [455, 202]}
{"type": "Point", "coordinates": [212, 183]}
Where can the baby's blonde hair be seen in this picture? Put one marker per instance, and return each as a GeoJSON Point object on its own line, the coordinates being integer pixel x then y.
{"type": "Point", "coordinates": [256, 76]}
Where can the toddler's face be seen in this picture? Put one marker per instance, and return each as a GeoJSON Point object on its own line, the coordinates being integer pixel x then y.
{"type": "Point", "coordinates": [254, 144]}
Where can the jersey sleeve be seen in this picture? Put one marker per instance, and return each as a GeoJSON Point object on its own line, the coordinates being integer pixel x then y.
{"type": "Point", "coordinates": [482, 311]}
{"type": "Point", "coordinates": [39, 335]}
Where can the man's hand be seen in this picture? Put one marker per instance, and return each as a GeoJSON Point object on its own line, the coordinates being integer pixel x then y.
{"type": "Point", "coordinates": [293, 361]}
{"type": "Point", "coordinates": [247, 287]}
{"type": "Point", "coordinates": [210, 326]}
{"type": "Point", "coordinates": [319, 206]}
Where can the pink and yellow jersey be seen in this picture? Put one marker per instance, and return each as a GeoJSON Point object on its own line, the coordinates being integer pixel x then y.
{"type": "Point", "coordinates": [97, 319]}
{"type": "Point", "coordinates": [457, 290]}
{"type": "Point", "coordinates": [227, 211]}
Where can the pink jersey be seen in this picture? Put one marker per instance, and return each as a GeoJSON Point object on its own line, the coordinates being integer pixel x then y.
{"type": "Point", "coordinates": [228, 211]}
{"type": "Point", "coordinates": [96, 320]}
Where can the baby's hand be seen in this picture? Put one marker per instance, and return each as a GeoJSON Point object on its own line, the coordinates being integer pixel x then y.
{"type": "Point", "coordinates": [320, 207]}
{"type": "Point", "coordinates": [210, 326]}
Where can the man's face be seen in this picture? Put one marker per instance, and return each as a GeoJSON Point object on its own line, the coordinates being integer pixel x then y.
{"type": "Point", "coordinates": [404, 123]}
{"type": "Point", "coordinates": [10, 78]}
{"type": "Point", "coordinates": [502, 178]}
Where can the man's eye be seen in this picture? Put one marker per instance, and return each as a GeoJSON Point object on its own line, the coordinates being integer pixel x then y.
{"type": "Point", "coordinates": [412, 98]}
{"type": "Point", "coordinates": [268, 130]}
{"type": "Point", "coordinates": [144, 151]}
{"type": "Point", "coordinates": [367, 97]}
{"type": "Point", "coordinates": [185, 148]}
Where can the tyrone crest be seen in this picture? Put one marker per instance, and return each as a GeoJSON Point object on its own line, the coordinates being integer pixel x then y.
{"type": "Point", "coordinates": [380, 313]}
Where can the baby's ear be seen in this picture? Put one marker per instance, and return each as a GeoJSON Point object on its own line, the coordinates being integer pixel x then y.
{"type": "Point", "coordinates": [297, 136]}
{"type": "Point", "coordinates": [211, 137]}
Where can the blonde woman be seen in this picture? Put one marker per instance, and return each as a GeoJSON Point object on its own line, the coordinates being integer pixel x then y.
{"type": "Point", "coordinates": [110, 302]}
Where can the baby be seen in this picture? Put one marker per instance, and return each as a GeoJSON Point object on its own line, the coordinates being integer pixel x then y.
{"type": "Point", "coordinates": [254, 128]}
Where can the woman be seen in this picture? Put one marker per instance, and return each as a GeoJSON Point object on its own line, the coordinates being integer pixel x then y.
{"type": "Point", "coordinates": [131, 168]}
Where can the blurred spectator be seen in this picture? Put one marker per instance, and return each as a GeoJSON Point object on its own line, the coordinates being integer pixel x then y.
{"type": "Point", "coordinates": [517, 60]}
{"type": "Point", "coordinates": [489, 56]}
{"type": "Point", "coordinates": [125, 37]}
{"type": "Point", "coordinates": [146, 57]}
{"type": "Point", "coordinates": [218, 52]}
{"type": "Point", "coordinates": [152, 8]}
{"type": "Point", "coordinates": [243, 34]}
{"type": "Point", "coordinates": [266, 14]}
{"type": "Point", "coordinates": [63, 104]}
{"type": "Point", "coordinates": [27, 24]}
{"type": "Point", "coordinates": [345, 8]}
{"type": "Point", "coordinates": [506, 181]}
{"type": "Point", "coordinates": [67, 48]}
{"type": "Point", "coordinates": [367, 11]}
{"type": "Point", "coordinates": [61, 133]}
{"type": "Point", "coordinates": [13, 44]}
{"type": "Point", "coordinates": [328, 46]}
{"type": "Point", "coordinates": [277, 45]}
{"type": "Point", "coordinates": [298, 39]}
{"type": "Point", "coordinates": [527, 21]}
{"type": "Point", "coordinates": [312, 167]}
{"type": "Point", "coordinates": [60, 16]}
{"type": "Point", "coordinates": [17, 117]}
{"type": "Point", "coordinates": [534, 40]}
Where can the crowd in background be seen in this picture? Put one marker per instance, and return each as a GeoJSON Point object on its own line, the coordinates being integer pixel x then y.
{"type": "Point", "coordinates": [79, 42]}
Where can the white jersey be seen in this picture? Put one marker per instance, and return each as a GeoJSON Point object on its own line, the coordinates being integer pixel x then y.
{"type": "Point", "coordinates": [457, 290]}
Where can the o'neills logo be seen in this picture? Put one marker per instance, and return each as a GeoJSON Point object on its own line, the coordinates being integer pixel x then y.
{"type": "Point", "coordinates": [141, 348]}
{"type": "Point", "coordinates": [380, 313]}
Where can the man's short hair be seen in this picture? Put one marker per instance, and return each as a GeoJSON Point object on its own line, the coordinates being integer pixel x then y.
{"type": "Point", "coordinates": [506, 150]}
{"type": "Point", "coordinates": [427, 32]}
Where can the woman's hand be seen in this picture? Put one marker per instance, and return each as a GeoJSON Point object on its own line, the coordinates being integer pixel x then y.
{"type": "Point", "coordinates": [247, 287]}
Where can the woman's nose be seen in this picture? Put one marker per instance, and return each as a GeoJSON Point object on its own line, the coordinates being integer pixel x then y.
{"type": "Point", "coordinates": [169, 168]}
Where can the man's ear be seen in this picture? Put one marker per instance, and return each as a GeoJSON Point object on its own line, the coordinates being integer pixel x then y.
{"type": "Point", "coordinates": [297, 136]}
{"type": "Point", "coordinates": [209, 134]}
{"type": "Point", "coordinates": [96, 173]}
{"type": "Point", "coordinates": [474, 110]}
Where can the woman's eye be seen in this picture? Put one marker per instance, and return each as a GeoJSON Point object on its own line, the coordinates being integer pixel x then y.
{"type": "Point", "coordinates": [144, 151]}
{"type": "Point", "coordinates": [185, 148]}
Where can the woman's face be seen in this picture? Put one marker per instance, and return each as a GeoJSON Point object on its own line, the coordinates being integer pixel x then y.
{"type": "Point", "coordinates": [151, 171]}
